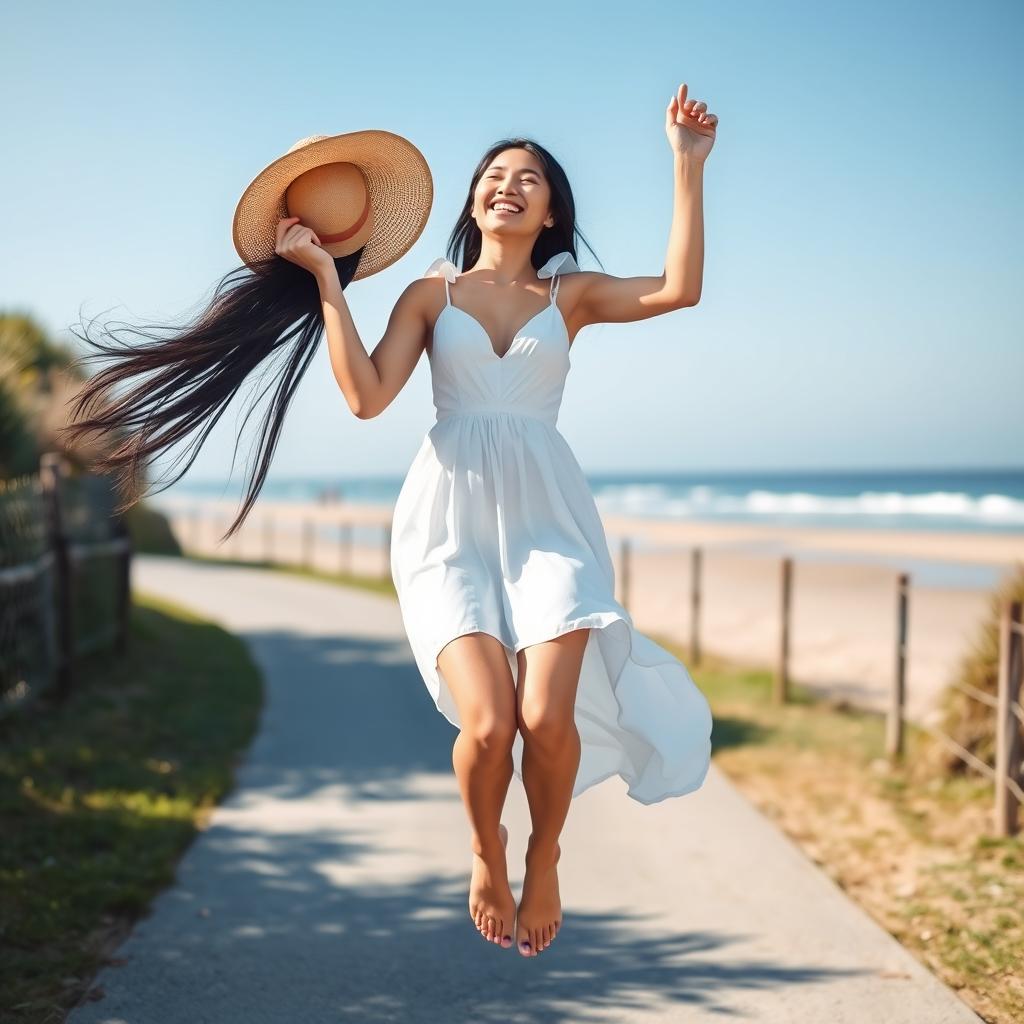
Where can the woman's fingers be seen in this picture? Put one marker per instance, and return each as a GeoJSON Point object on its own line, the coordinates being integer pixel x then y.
{"type": "Point", "coordinates": [292, 234]}
{"type": "Point", "coordinates": [296, 243]}
{"type": "Point", "coordinates": [282, 227]}
{"type": "Point", "coordinates": [304, 234]}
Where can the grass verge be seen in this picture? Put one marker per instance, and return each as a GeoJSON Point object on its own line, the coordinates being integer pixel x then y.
{"type": "Point", "coordinates": [375, 584]}
{"type": "Point", "coordinates": [101, 795]}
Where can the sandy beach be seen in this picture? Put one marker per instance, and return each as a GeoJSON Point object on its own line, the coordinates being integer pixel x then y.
{"type": "Point", "coordinates": [843, 625]}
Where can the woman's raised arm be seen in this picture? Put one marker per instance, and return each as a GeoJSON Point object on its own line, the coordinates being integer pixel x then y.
{"type": "Point", "coordinates": [606, 299]}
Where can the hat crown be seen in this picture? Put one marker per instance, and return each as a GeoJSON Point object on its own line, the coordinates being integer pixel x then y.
{"type": "Point", "coordinates": [380, 178]}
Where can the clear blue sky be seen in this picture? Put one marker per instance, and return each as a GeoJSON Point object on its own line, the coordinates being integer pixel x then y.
{"type": "Point", "coordinates": [862, 301]}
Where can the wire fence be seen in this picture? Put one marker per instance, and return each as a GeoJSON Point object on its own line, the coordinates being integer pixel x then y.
{"type": "Point", "coordinates": [65, 563]}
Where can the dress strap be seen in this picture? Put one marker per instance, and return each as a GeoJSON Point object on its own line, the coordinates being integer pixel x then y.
{"type": "Point", "coordinates": [442, 267]}
{"type": "Point", "coordinates": [562, 262]}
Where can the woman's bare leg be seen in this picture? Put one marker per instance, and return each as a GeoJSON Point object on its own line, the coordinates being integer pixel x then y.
{"type": "Point", "coordinates": [476, 668]}
{"type": "Point", "coordinates": [549, 675]}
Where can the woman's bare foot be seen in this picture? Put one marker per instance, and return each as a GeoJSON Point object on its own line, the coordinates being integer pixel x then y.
{"type": "Point", "coordinates": [491, 903]}
{"type": "Point", "coordinates": [540, 909]}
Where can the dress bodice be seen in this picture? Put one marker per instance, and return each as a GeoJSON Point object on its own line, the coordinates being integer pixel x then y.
{"type": "Point", "coordinates": [470, 377]}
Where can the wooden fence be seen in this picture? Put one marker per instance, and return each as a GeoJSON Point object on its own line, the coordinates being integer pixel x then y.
{"type": "Point", "coordinates": [280, 535]}
{"type": "Point", "coordinates": [1007, 774]}
{"type": "Point", "coordinates": [65, 563]}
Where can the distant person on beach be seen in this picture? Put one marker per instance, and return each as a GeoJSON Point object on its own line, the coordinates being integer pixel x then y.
{"type": "Point", "coordinates": [329, 495]}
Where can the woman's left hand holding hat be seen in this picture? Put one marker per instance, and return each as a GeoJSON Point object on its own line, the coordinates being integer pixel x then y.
{"type": "Point", "coordinates": [299, 245]}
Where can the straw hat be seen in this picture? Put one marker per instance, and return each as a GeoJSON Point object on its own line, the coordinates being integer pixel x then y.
{"type": "Point", "coordinates": [368, 188]}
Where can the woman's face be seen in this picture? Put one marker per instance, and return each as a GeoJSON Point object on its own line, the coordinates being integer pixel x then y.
{"type": "Point", "coordinates": [513, 176]}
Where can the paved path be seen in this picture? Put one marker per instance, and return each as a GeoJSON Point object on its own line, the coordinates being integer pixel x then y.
{"type": "Point", "coordinates": [331, 884]}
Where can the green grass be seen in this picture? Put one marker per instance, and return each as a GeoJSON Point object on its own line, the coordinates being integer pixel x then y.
{"type": "Point", "coordinates": [100, 796]}
{"type": "Point", "coordinates": [746, 716]}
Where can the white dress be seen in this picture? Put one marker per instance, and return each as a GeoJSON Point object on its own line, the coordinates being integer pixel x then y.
{"type": "Point", "coordinates": [495, 530]}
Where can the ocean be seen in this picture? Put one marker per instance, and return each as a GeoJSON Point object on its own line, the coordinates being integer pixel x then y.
{"type": "Point", "coordinates": [988, 500]}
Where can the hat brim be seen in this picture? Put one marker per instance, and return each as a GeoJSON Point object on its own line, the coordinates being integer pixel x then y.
{"type": "Point", "coordinates": [401, 193]}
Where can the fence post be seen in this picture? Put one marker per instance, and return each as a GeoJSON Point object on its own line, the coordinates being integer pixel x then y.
{"type": "Point", "coordinates": [307, 543]}
{"type": "Point", "coordinates": [695, 586]}
{"type": "Point", "coordinates": [268, 540]}
{"type": "Point", "coordinates": [895, 731]}
{"type": "Point", "coordinates": [124, 592]}
{"type": "Point", "coordinates": [345, 548]}
{"type": "Point", "coordinates": [780, 692]}
{"type": "Point", "coordinates": [51, 471]}
{"type": "Point", "coordinates": [1008, 742]}
{"type": "Point", "coordinates": [386, 551]}
{"type": "Point", "coordinates": [624, 560]}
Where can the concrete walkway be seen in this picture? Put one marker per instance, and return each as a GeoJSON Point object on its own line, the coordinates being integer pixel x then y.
{"type": "Point", "coordinates": [332, 883]}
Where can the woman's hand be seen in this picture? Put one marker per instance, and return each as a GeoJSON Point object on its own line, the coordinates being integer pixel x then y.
{"type": "Point", "coordinates": [689, 126]}
{"type": "Point", "coordinates": [300, 245]}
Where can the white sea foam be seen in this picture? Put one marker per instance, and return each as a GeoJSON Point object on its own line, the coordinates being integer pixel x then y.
{"type": "Point", "coordinates": [758, 503]}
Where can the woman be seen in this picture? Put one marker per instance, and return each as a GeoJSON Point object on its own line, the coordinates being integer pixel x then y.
{"type": "Point", "coordinates": [498, 555]}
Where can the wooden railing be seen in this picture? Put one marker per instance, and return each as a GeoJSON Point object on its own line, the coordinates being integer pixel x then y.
{"type": "Point", "coordinates": [65, 563]}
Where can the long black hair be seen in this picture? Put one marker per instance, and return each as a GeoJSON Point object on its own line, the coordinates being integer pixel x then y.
{"type": "Point", "coordinates": [187, 377]}
{"type": "Point", "coordinates": [465, 241]}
